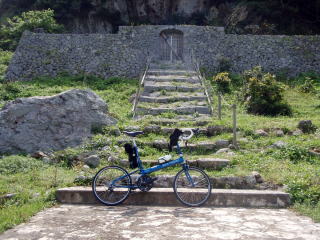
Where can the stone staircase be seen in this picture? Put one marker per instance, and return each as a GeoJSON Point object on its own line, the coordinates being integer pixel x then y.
{"type": "Point", "coordinates": [173, 88]}
{"type": "Point", "coordinates": [177, 89]}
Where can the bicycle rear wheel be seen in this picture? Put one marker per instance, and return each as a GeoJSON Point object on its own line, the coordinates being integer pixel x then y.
{"type": "Point", "coordinates": [192, 186]}
{"type": "Point", "coordinates": [111, 185]}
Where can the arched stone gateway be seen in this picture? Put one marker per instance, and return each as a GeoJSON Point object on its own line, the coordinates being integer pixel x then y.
{"type": "Point", "coordinates": [171, 45]}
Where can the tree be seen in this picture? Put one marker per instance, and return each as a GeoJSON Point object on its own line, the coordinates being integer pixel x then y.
{"type": "Point", "coordinates": [11, 32]}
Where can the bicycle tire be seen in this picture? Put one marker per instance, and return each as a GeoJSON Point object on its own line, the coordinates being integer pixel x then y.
{"type": "Point", "coordinates": [104, 192]}
{"type": "Point", "coordinates": [182, 187]}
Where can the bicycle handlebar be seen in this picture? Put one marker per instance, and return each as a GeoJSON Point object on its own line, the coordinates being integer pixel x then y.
{"type": "Point", "coordinates": [188, 130]}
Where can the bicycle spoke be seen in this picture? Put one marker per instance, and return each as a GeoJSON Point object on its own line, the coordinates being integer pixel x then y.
{"type": "Point", "coordinates": [192, 188]}
{"type": "Point", "coordinates": [110, 185]}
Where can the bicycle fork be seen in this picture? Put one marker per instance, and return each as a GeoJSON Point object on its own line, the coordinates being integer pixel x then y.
{"type": "Point", "coordinates": [186, 170]}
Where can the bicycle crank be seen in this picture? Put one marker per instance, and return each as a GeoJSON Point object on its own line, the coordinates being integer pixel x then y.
{"type": "Point", "coordinates": [145, 183]}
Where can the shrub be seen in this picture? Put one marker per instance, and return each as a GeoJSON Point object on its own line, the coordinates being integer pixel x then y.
{"type": "Point", "coordinates": [224, 64]}
{"type": "Point", "coordinates": [5, 57]}
{"type": "Point", "coordinates": [263, 95]}
{"type": "Point", "coordinates": [11, 32]}
{"type": "Point", "coordinates": [308, 86]}
{"type": "Point", "coordinates": [223, 82]}
{"type": "Point", "coordinates": [16, 164]}
{"type": "Point", "coordinates": [10, 91]}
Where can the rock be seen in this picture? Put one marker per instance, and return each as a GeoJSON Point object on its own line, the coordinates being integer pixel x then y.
{"type": "Point", "coordinates": [7, 196]}
{"type": "Point", "coordinates": [39, 155]}
{"type": "Point", "coordinates": [112, 159]}
{"type": "Point", "coordinates": [85, 167]}
{"type": "Point", "coordinates": [279, 144]}
{"type": "Point", "coordinates": [82, 180]}
{"type": "Point", "coordinates": [132, 129]}
{"type": "Point", "coordinates": [93, 161]}
{"type": "Point", "coordinates": [106, 148]}
{"type": "Point", "coordinates": [47, 160]}
{"type": "Point", "coordinates": [152, 129]}
{"type": "Point", "coordinates": [115, 132]}
{"type": "Point", "coordinates": [279, 133]}
{"type": "Point", "coordinates": [258, 177]}
{"type": "Point", "coordinates": [261, 132]}
{"type": "Point", "coordinates": [231, 146]}
{"type": "Point", "coordinates": [231, 153]}
{"type": "Point", "coordinates": [217, 130]}
{"type": "Point", "coordinates": [225, 150]}
{"type": "Point", "coordinates": [28, 125]}
{"type": "Point", "coordinates": [222, 143]}
{"type": "Point", "coordinates": [306, 126]}
{"type": "Point", "coordinates": [297, 132]}
{"type": "Point", "coordinates": [160, 144]}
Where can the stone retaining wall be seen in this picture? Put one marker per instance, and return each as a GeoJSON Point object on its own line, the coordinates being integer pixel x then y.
{"type": "Point", "coordinates": [125, 53]}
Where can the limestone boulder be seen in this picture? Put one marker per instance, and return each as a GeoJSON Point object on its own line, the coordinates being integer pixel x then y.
{"type": "Point", "coordinates": [28, 125]}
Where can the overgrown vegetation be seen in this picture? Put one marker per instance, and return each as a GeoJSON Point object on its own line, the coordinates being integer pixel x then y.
{"type": "Point", "coordinates": [11, 32]}
{"type": "Point", "coordinates": [5, 57]}
{"type": "Point", "coordinates": [263, 95]}
{"type": "Point", "coordinates": [293, 167]}
{"type": "Point", "coordinates": [238, 16]}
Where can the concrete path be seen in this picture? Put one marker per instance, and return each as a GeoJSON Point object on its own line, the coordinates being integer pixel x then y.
{"type": "Point", "coordinates": [138, 222]}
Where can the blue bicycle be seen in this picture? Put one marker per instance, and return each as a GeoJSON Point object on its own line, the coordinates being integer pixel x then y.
{"type": "Point", "coordinates": [113, 184]}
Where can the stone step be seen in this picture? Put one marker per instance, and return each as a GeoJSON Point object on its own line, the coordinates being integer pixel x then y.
{"type": "Point", "coordinates": [209, 163]}
{"type": "Point", "coordinates": [168, 86]}
{"type": "Point", "coordinates": [213, 130]}
{"type": "Point", "coordinates": [175, 78]}
{"type": "Point", "coordinates": [163, 145]}
{"type": "Point", "coordinates": [171, 99]}
{"type": "Point", "coordinates": [196, 121]}
{"type": "Point", "coordinates": [253, 181]}
{"type": "Point", "coordinates": [160, 72]}
{"type": "Point", "coordinates": [166, 196]}
{"type": "Point", "coordinates": [202, 120]}
{"type": "Point", "coordinates": [177, 110]}
{"type": "Point", "coordinates": [170, 66]}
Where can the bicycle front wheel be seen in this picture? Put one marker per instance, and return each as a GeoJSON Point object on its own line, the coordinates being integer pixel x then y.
{"type": "Point", "coordinates": [111, 185]}
{"type": "Point", "coordinates": [192, 186]}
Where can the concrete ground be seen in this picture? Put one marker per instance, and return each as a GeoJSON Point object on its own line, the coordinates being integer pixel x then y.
{"type": "Point", "coordinates": [140, 222]}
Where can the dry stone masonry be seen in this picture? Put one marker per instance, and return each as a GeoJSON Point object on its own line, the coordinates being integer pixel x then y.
{"type": "Point", "coordinates": [125, 53]}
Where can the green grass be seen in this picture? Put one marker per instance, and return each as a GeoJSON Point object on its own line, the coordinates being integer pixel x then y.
{"type": "Point", "coordinates": [5, 57]}
{"type": "Point", "coordinates": [35, 185]}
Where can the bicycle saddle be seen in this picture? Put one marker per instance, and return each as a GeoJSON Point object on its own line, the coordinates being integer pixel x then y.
{"type": "Point", "coordinates": [133, 134]}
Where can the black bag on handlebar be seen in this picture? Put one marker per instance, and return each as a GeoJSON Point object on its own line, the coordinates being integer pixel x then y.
{"type": "Point", "coordinates": [131, 155]}
{"type": "Point", "coordinates": [174, 138]}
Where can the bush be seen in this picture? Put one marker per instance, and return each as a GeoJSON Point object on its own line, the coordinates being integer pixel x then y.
{"type": "Point", "coordinates": [17, 164]}
{"type": "Point", "coordinates": [11, 32]}
{"type": "Point", "coordinates": [5, 57]}
{"type": "Point", "coordinates": [10, 91]}
{"type": "Point", "coordinates": [263, 95]}
{"type": "Point", "coordinates": [224, 64]}
{"type": "Point", "coordinates": [308, 86]}
{"type": "Point", "coordinates": [223, 82]}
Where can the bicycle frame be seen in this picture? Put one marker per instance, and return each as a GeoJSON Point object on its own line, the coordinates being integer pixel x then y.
{"type": "Point", "coordinates": [142, 171]}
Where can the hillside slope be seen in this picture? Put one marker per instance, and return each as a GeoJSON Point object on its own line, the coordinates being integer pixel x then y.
{"type": "Point", "coordinates": [238, 16]}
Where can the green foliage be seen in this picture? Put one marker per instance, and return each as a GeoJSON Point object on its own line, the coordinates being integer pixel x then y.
{"type": "Point", "coordinates": [304, 190]}
{"type": "Point", "coordinates": [263, 95]}
{"type": "Point", "coordinates": [224, 65]}
{"type": "Point", "coordinates": [5, 57]}
{"type": "Point", "coordinates": [17, 164]}
{"type": "Point", "coordinates": [222, 80]}
{"type": "Point", "coordinates": [11, 32]}
{"type": "Point", "coordinates": [295, 154]}
{"type": "Point", "coordinates": [308, 86]}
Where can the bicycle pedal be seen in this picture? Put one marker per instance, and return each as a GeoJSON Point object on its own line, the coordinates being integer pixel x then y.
{"type": "Point", "coordinates": [154, 179]}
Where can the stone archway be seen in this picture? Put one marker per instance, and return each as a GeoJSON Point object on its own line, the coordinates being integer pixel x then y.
{"type": "Point", "coordinates": [171, 45]}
